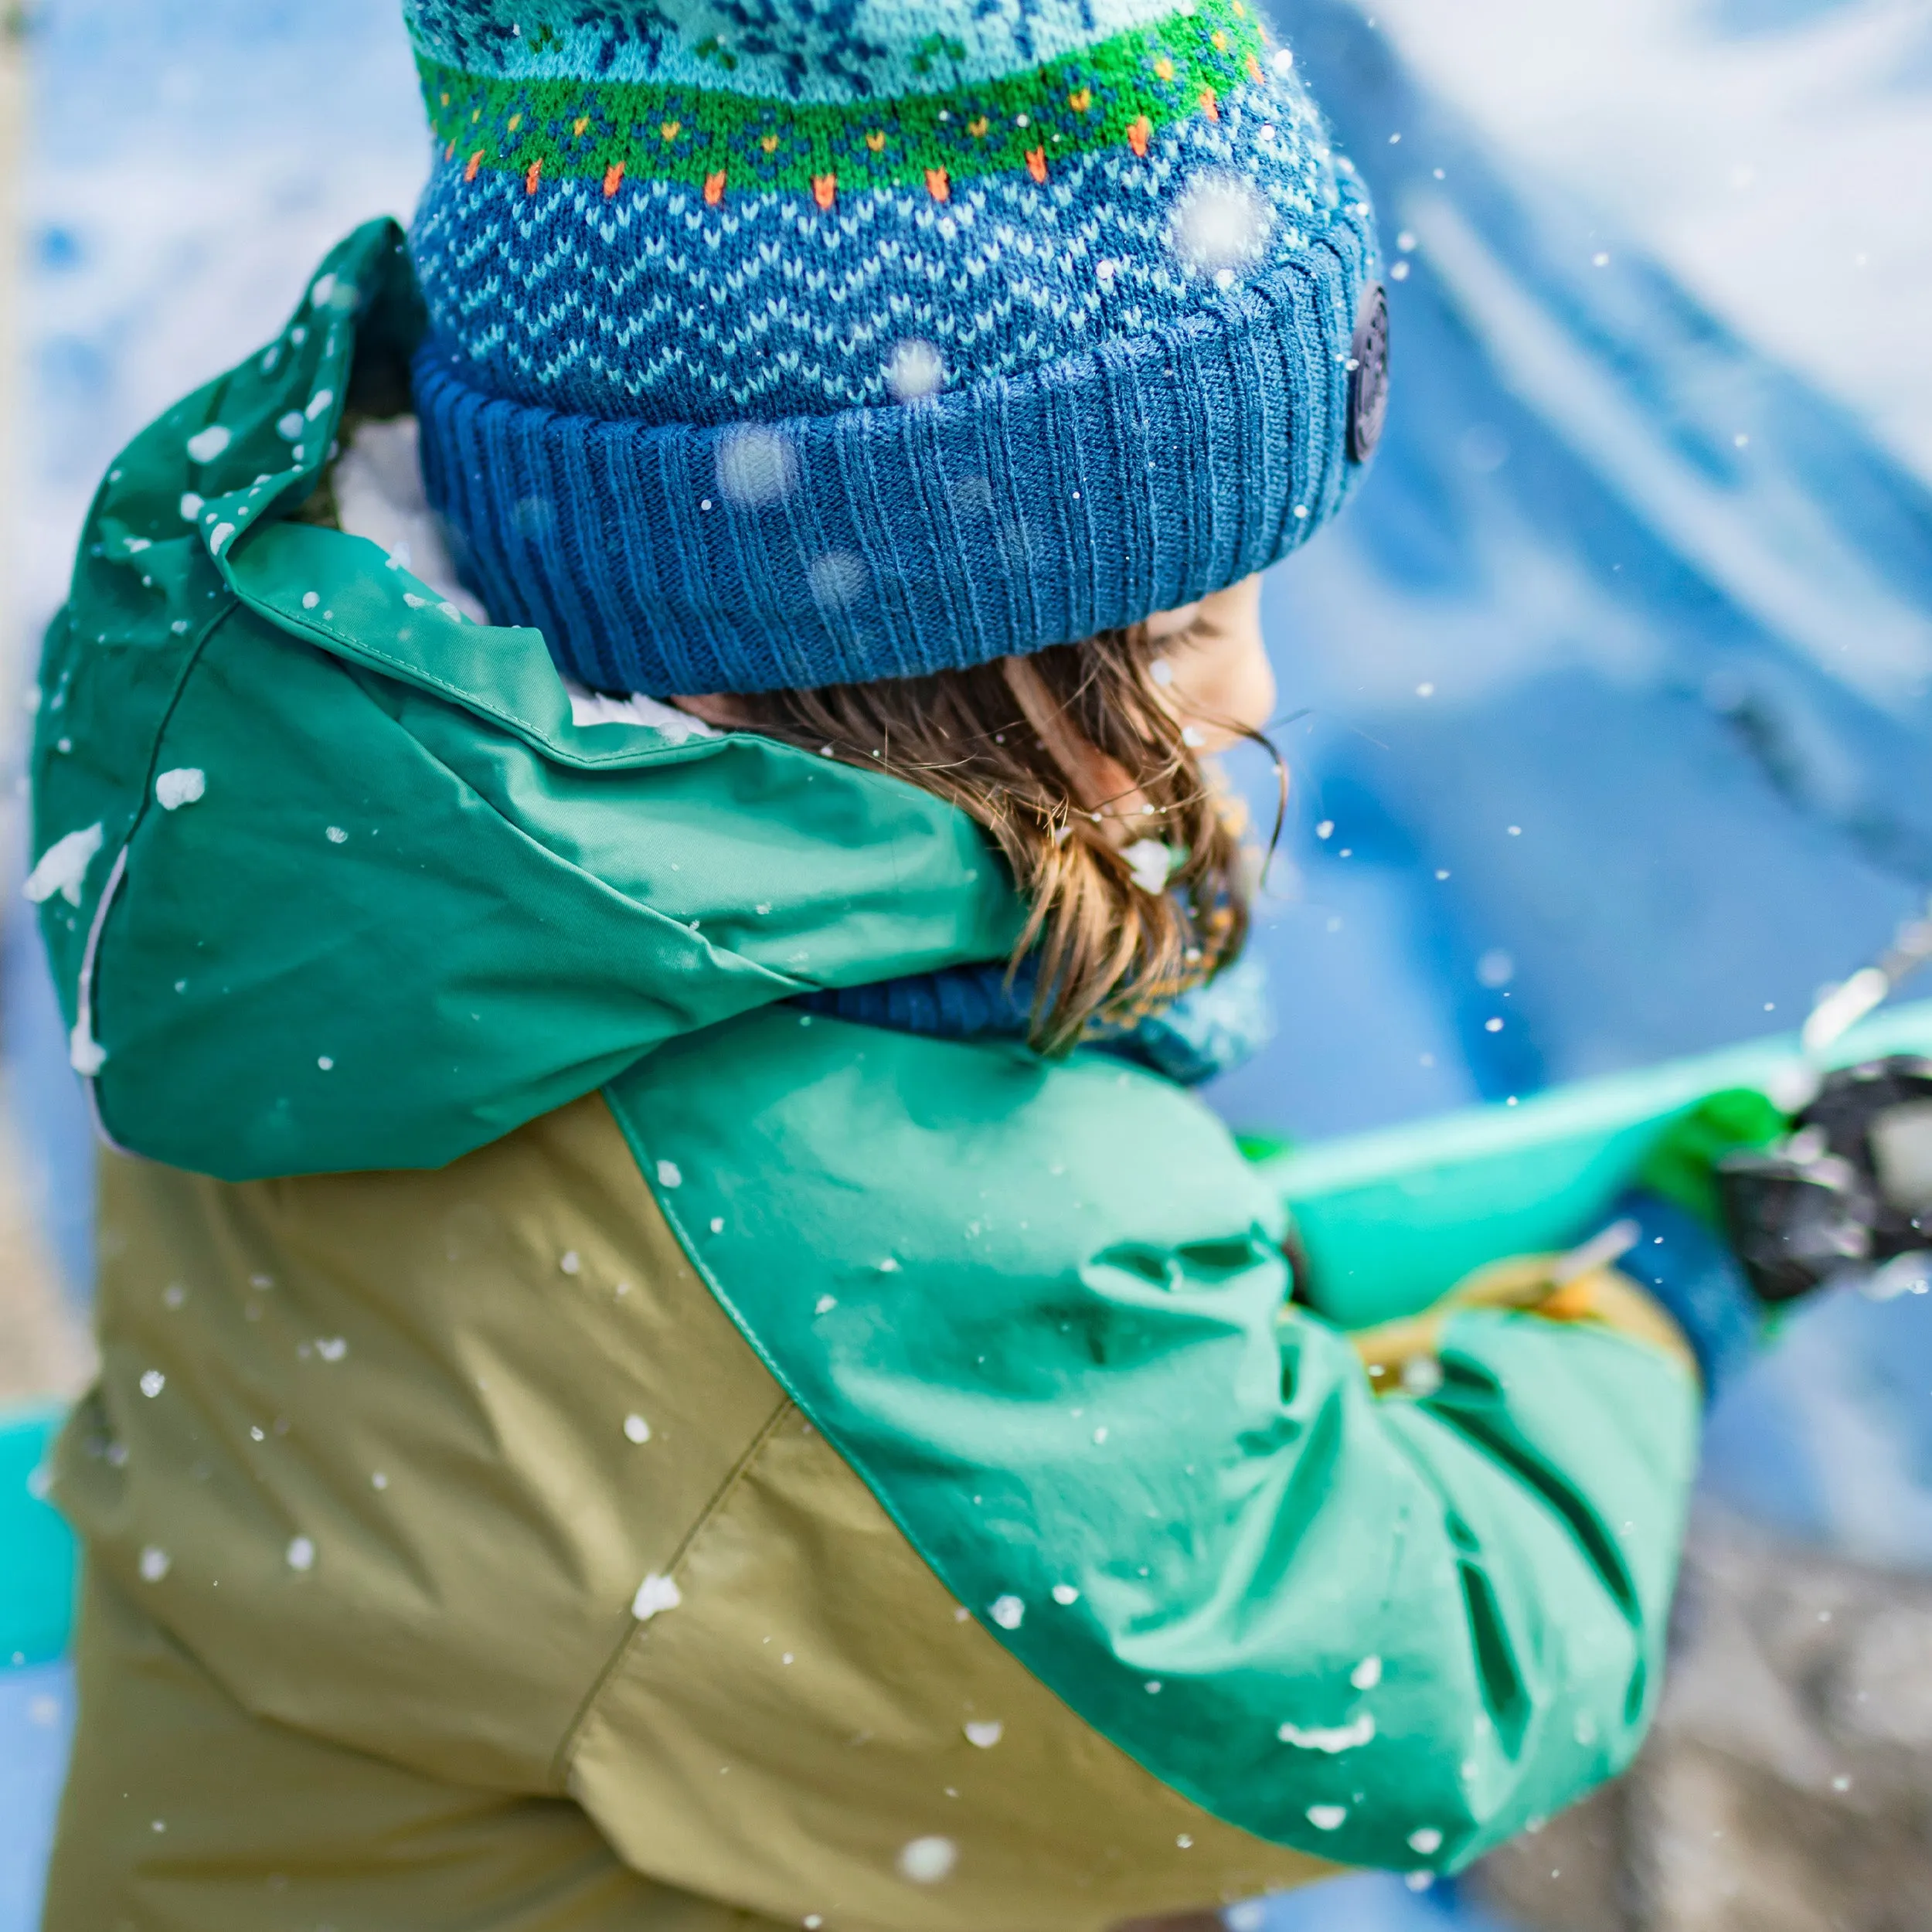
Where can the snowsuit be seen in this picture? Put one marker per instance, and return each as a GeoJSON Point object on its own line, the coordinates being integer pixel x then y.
{"type": "Point", "coordinates": [584, 1443]}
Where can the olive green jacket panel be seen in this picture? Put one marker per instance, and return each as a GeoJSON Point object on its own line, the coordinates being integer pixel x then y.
{"type": "Point", "coordinates": [359, 1443]}
{"type": "Point", "coordinates": [819, 1727]}
{"type": "Point", "coordinates": [235, 1823]}
{"type": "Point", "coordinates": [365, 1449]}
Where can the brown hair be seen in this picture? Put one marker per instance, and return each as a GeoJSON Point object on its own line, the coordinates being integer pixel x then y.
{"type": "Point", "coordinates": [1014, 744]}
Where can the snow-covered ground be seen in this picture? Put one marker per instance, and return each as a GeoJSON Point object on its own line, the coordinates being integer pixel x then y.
{"type": "Point", "coordinates": [189, 164]}
{"type": "Point", "coordinates": [1776, 156]}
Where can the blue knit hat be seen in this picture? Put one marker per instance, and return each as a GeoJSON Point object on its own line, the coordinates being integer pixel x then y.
{"type": "Point", "coordinates": [816, 342]}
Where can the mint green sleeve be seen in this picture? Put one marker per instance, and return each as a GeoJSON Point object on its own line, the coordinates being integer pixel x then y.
{"type": "Point", "coordinates": [1040, 1309]}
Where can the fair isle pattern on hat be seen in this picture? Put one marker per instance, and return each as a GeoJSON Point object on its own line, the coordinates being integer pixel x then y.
{"type": "Point", "coordinates": [765, 308]}
{"type": "Point", "coordinates": [685, 216]}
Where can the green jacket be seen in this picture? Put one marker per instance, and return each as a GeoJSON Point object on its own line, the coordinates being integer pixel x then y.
{"type": "Point", "coordinates": [333, 883]}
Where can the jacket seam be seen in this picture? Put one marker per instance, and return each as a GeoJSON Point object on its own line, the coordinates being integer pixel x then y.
{"type": "Point", "coordinates": [566, 1749]}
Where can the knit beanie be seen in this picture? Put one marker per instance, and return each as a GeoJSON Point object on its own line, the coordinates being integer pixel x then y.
{"type": "Point", "coordinates": [796, 342]}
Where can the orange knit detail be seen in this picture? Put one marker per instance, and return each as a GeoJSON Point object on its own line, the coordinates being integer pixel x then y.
{"type": "Point", "coordinates": [714, 188]}
{"type": "Point", "coordinates": [613, 178]}
{"type": "Point", "coordinates": [937, 185]}
{"type": "Point", "coordinates": [531, 178]}
{"type": "Point", "coordinates": [825, 190]}
{"type": "Point", "coordinates": [1036, 163]}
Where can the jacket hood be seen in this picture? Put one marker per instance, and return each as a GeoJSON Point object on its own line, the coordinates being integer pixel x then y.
{"type": "Point", "coordinates": [333, 878]}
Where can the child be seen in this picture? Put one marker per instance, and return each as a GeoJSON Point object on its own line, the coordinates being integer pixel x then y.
{"type": "Point", "coordinates": [675, 1354]}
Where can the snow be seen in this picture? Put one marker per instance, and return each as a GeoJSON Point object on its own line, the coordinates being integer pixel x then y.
{"type": "Point", "coordinates": [589, 708]}
{"type": "Point", "coordinates": [637, 1429]}
{"type": "Point", "coordinates": [1221, 223]}
{"type": "Point", "coordinates": [1422, 1375]}
{"type": "Point", "coordinates": [1367, 1674]}
{"type": "Point", "coordinates": [985, 1733]}
{"type": "Point", "coordinates": [176, 209]}
{"type": "Point", "coordinates": [1008, 1612]}
{"type": "Point", "coordinates": [380, 496]}
{"type": "Point", "coordinates": [301, 1553]}
{"type": "Point", "coordinates": [63, 867]}
{"type": "Point", "coordinates": [668, 1175]}
{"type": "Point", "coordinates": [927, 1860]}
{"type": "Point", "coordinates": [1327, 1818]}
{"type": "Point", "coordinates": [1330, 1739]}
{"type": "Point", "coordinates": [655, 1595]}
{"type": "Point", "coordinates": [1786, 175]}
{"type": "Point", "coordinates": [155, 1564]}
{"type": "Point", "coordinates": [183, 786]}
{"type": "Point", "coordinates": [1150, 861]}
{"type": "Point", "coordinates": [1065, 1593]}
{"type": "Point", "coordinates": [914, 370]}
{"type": "Point", "coordinates": [756, 467]}
{"type": "Point", "coordinates": [1730, 534]}
{"type": "Point", "coordinates": [152, 1382]}
{"type": "Point", "coordinates": [206, 444]}
{"type": "Point", "coordinates": [85, 1054]}
{"type": "Point", "coordinates": [1425, 1840]}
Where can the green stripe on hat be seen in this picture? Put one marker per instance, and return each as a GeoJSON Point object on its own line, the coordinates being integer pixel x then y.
{"type": "Point", "coordinates": [1119, 92]}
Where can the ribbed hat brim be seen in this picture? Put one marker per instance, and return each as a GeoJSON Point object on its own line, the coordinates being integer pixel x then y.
{"type": "Point", "coordinates": [999, 519]}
